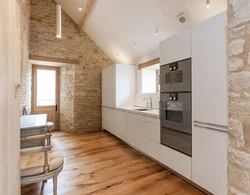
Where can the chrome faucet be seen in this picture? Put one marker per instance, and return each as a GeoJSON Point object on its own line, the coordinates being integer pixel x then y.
{"type": "Point", "coordinates": [151, 105]}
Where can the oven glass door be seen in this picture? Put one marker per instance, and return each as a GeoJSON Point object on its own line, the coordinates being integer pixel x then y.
{"type": "Point", "coordinates": [176, 76]}
{"type": "Point", "coordinates": [176, 111]}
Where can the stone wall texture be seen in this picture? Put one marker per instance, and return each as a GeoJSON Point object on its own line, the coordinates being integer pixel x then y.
{"type": "Point", "coordinates": [26, 70]}
{"type": "Point", "coordinates": [80, 104]}
{"type": "Point", "coordinates": [239, 97]}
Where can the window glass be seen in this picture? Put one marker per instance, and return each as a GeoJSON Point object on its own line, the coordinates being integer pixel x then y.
{"type": "Point", "coordinates": [46, 87]}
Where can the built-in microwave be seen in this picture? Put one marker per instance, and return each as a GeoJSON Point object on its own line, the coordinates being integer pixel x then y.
{"type": "Point", "coordinates": [176, 77]}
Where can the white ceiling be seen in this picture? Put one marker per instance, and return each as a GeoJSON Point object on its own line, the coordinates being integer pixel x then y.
{"type": "Point", "coordinates": [116, 25]}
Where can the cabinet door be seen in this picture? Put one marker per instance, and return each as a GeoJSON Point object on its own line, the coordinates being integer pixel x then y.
{"type": "Point", "coordinates": [133, 129]}
{"type": "Point", "coordinates": [209, 160]}
{"type": "Point", "coordinates": [175, 48]}
{"type": "Point", "coordinates": [176, 161]}
{"type": "Point", "coordinates": [108, 120]}
{"type": "Point", "coordinates": [150, 131]}
{"type": "Point", "coordinates": [121, 129]}
{"type": "Point", "coordinates": [150, 147]}
{"type": "Point", "coordinates": [108, 87]}
{"type": "Point", "coordinates": [209, 69]}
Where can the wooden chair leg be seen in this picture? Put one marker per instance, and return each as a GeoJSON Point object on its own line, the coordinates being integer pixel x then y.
{"type": "Point", "coordinates": [55, 185]}
{"type": "Point", "coordinates": [49, 140]}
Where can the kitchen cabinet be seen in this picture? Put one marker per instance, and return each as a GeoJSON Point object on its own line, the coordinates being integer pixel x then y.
{"type": "Point", "coordinates": [109, 120]}
{"type": "Point", "coordinates": [150, 137]}
{"type": "Point", "coordinates": [133, 128]}
{"type": "Point", "coordinates": [177, 161]}
{"type": "Point", "coordinates": [176, 48]}
{"type": "Point", "coordinates": [209, 70]}
{"type": "Point", "coordinates": [209, 160]}
{"type": "Point", "coordinates": [118, 86]}
{"type": "Point", "coordinates": [121, 126]}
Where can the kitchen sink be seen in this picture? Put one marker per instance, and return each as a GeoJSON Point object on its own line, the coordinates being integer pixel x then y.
{"type": "Point", "coordinates": [141, 109]}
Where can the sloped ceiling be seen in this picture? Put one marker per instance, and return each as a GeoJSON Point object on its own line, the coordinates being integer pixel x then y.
{"type": "Point", "coordinates": [117, 25]}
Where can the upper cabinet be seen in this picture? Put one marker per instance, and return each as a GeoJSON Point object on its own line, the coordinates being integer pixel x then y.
{"type": "Point", "coordinates": [209, 69]}
{"type": "Point", "coordinates": [176, 48]}
{"type": "Point", "coordinates": [118, 85]}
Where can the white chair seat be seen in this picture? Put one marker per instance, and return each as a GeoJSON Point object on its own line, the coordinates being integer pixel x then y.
{"type": "Point", "coordinates": [50, 124]}
{"type": "Point", "coordinates": [32, 164]}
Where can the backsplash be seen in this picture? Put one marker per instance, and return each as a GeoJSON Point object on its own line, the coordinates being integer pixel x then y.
{"type": "Point", "coordinates": [140, 102]}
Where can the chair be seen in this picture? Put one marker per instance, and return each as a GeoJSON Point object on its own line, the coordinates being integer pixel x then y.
{"type": "Point", "coordinates": [40, 163]}
{"type": "Point", "coordinates": [50, 125]}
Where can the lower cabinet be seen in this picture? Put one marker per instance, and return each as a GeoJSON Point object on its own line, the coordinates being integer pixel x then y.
{"type": "Point", "coordinates": [150, 148]}
{"type": "Point", "coordinates": [176, 161]}
{"type": "Point", "coordinates": [108, 119]}
{"type": "Point", "coordinates": [121, 126]}
{"type": "Point", "coordinates": [133, 126]}
{"type": "Point", "coordinates": [209, 161]}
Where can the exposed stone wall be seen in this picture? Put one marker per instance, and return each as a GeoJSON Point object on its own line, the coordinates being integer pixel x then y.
{"type": "Point", "coordinates": [81, 101]}
{"type": "Point", "coordinates": [67, 98]}
{"type": "Point", "coordinates": [239, 97]}
{"type": "Point", "coordinates": [26, 70]}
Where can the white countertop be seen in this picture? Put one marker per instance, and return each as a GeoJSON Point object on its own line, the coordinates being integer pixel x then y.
{"type": "Point", "coordinates": [152, 113]}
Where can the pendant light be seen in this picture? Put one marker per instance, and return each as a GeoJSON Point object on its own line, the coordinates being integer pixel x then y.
{"type": "Point", "coordinates": [58, 21]}
{"type": "Point", "coordinates": [207, 3]}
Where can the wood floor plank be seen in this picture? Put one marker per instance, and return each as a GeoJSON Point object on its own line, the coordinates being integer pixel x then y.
{"type": "Point", "coordinates": [98, 163]}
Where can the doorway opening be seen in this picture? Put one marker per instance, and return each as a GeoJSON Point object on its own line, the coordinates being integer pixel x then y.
{"type": "Point", "coordinates": [46, 92]}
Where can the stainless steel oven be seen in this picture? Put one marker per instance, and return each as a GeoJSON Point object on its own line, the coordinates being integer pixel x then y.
{"type": "Point", "coordinates": [177, 140]}
{"type": "Point", "coordinates": [176, 76]}
{"type": "Point", "coordinates": [175, 111]}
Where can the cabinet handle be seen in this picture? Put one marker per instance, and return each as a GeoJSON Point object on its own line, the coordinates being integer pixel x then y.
{"type": "Point", "coordinates": [160, 109]}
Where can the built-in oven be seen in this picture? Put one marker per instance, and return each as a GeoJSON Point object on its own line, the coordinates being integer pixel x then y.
{"type": "Point", "coordinates": [179, 141]}
{"type": "Point", "coordinates": [175, 111]}
{"type": "Point", "coordinates": [175, 76]}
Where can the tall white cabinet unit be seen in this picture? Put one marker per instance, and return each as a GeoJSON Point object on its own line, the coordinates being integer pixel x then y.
{"type": "Point", "coordinates": [175, 48]}
{"type": "Point", "coordinates": [118, 90]}
{"type": "Point", "coordinates": [118, 86]}
{"type": "Point", "coordinates": [210, 117]}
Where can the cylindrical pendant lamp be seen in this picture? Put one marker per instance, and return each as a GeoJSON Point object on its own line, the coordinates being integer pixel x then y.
{"type": "Point", "coordinates": [58, 21]}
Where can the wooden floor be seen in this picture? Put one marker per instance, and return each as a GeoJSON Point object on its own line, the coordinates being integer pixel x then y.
{"type": "Point", "coordinates": [99, 163]}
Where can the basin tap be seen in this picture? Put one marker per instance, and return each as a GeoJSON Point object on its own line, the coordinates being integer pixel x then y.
{"type": "Point", "coordinates": [151, 105]}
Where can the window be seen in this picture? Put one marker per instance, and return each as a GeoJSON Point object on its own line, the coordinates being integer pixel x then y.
{"type": "Point", "coordinates": [46, 87]}
{"type": "Point", "coordinates": [150, 79]}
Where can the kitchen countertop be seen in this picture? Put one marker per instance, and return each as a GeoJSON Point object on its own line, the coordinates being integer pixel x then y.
{"type": "Point", "coordinates": [152, 113]}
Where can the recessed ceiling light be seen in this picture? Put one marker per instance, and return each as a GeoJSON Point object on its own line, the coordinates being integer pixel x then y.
{"type": "Point", "coordinates": [157, 32]}
{"type": "Point", "coordinates": [81, 7]}
{"type": "Point", "coordinates": [207, 3]}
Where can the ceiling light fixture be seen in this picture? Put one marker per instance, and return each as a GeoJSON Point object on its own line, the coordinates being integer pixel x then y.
{"type": "Point", "coordinates": [81, 7]}
{"type": "Point", "coordinates": [58, 21]}
{"type": "Point", "coordinates": [207, 3]}
{"type": "Point", "coordinates": [157, 32]}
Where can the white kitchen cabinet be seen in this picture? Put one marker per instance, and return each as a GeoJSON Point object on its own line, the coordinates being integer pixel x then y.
{"type": "Point", "coordinates": [118, 86]}
{"type": "Point", "coordinates": [109, 120]}
{"type": "Point", "coordinates": [133, 129]}
{"type": "Point", "coordinates": [150, 147]}
{"type": "Point", "coordinates": [150, 130]}
{"type": "Point", "coordinates": [209, 70]}
{"type": "Point", "coordinates": [176, 48]}
{"type": "Point", "coordinates": [150, 136]}
{"type": "Point", "coordinates": [209, 160]}
{"type": "Point", "coordinates": [176, 161]}
{"type": "Point", "coordinates": [121, 124]}
{"type": "Point", "coordinates": [108, 86]}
